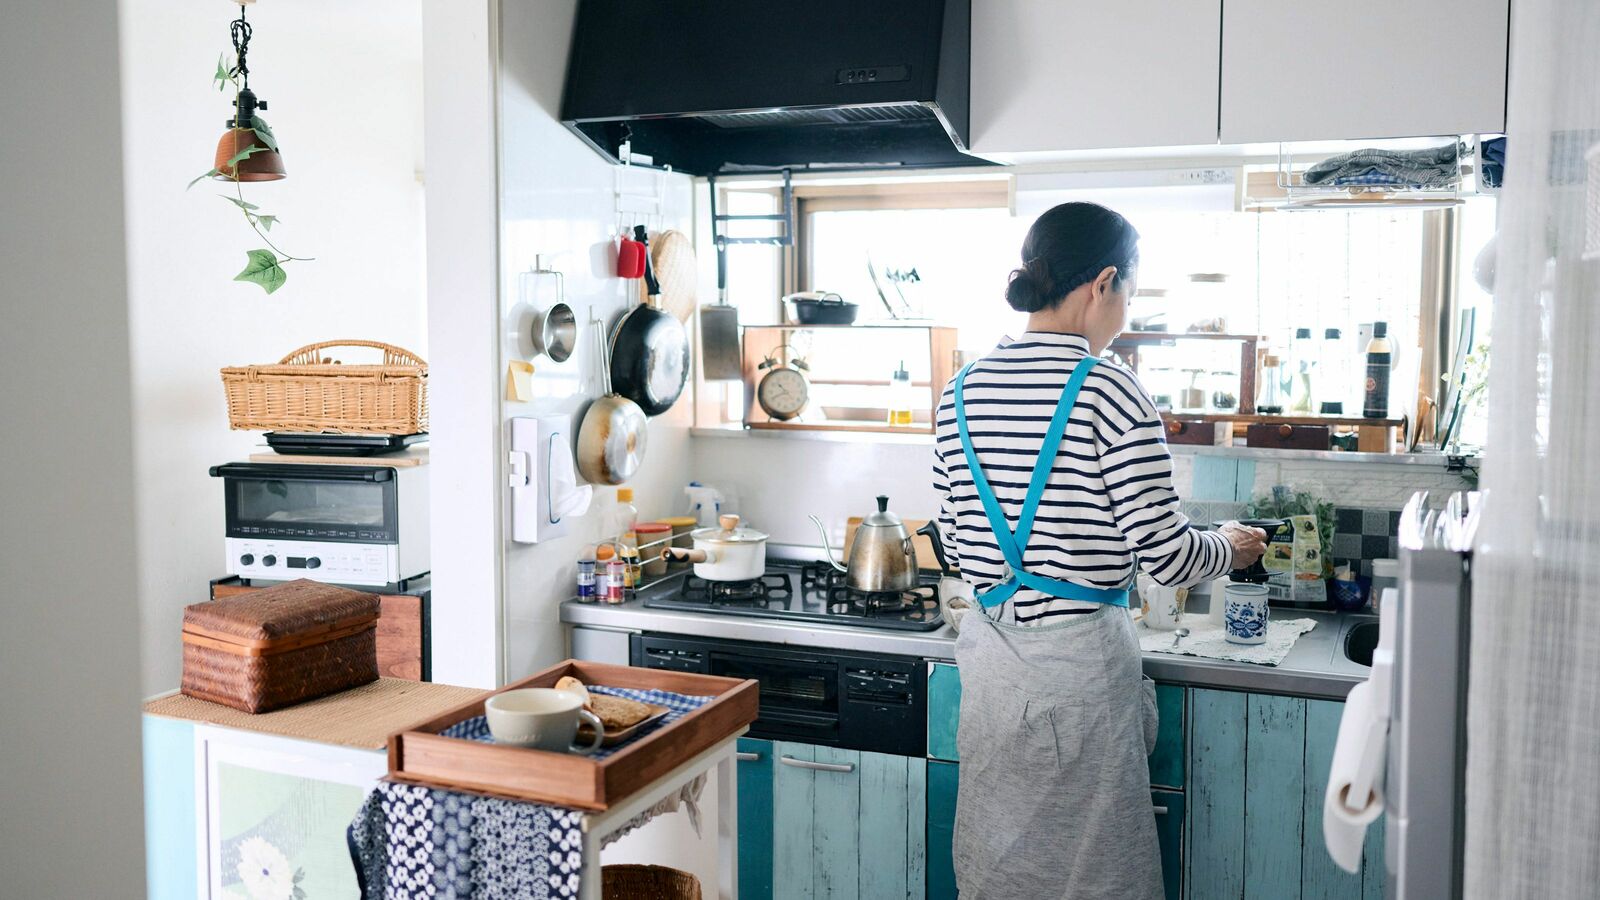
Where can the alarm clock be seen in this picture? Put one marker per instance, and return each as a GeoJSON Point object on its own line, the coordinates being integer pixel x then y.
{"type": "Point", "coordinates": [783, 391]}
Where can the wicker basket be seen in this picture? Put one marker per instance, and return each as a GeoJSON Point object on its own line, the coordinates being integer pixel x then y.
{"type": "Point", "coordinates": [647, 883]}
{"type": "Point", "coordinates": [308, 392]}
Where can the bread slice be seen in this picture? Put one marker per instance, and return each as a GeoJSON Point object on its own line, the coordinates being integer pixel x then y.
{"type": "Point", "coordinates": [618, 712]}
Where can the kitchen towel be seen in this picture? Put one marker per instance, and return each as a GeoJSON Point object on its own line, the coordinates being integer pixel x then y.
{"type": "Point", "coordinates": [1211, 642]}
{"type": "Point", "coordinates": [411, 841]}
{"type": "Point", "coordinates": [1430, 167]}
{"type": "Point", "coordinates": [679, 705]}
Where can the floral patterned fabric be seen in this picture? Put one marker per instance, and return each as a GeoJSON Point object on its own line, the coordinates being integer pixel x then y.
{"type": "Point", "coordinates": [410, 842]}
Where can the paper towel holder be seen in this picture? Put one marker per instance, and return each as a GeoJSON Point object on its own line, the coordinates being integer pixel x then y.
{"type": "Point", "coordinates": [542, 476]}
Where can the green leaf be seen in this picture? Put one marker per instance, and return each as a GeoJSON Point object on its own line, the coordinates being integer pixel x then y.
{"type": "Point", "coordinates": [239, 203]}
{"type": "Point", "coordinates": [263, 270]}
{"type": "Point", "coordinates": [222, 77]}
{"type": "Point", "coordinates": [266, 221]}
{"type": "Point", "coordinates": [243, 155]}
{"type": "Point", "coordinates": [201, 178]}
{"type": "Point", "coordinates": [263, 132]}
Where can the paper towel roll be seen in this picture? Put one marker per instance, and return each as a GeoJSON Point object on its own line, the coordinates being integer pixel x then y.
{"type": "Point", "coordinates": [1355, 779]}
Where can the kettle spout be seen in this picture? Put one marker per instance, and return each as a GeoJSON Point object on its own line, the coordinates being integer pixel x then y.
{"type": "Point", "coordinates": [827, 551]}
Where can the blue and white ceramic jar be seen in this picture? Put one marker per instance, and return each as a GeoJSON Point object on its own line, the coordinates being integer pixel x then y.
{"type": "Point", "coordinates": [1244, 613]}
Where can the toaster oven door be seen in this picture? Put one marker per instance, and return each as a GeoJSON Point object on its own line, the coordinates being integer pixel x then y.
{"type": "Point", "coordinates": [351, 504]}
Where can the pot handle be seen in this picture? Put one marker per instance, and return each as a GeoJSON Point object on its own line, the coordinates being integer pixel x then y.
{"type": "Point", "coordinates": [678, 554]}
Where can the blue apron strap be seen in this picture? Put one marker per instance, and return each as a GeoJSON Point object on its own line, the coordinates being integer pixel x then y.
{"type": "Point", "coordinates": [1013, 544]}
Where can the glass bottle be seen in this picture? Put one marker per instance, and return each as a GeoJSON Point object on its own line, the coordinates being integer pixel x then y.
{"type": "Point", "coordinates": [1376, 404]}
{"type": "Point", "coordinates": [1224, 392]}
{"type": "Point", "coordinates": [1193, 398]}
{"type": "Point", "coordinates": [1270, 399]}
{"type": "Point", "coordinates": [900, 396]}
{"type": "Point", "coordinates": [1333, 373]}
{"type": "Point", "coordinates": [1302, 363]}
{"type": "Point", "coordinates": [623, 516]}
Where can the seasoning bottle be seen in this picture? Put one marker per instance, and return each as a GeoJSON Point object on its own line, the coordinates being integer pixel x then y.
{"type": "Point", "coordinates": [1376, 404]}
{"type": "Point", "coordinates": [628, 550]}
{"type": "Point", "coordinates": [1332, 373]}
{"type": "Point", "coordinates": [1269, 401]}
{"type": "Point", "coordinates": [586, 577]}
{"type": "Point", "coordinates": [1302, 360]}
{"type": "Point", "coordinates": [623, 515]}
{"type": "Point", "coordinates": [900, 396]}
{"type": "Point", "coordinates": [612, 589]}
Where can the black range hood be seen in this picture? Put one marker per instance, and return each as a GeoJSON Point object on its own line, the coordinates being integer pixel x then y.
{"type": "Point", "coordinates": [727, 86]}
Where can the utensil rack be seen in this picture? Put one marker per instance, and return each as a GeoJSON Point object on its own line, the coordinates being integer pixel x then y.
{"type": "Point", "coordinates": [1300, 195]}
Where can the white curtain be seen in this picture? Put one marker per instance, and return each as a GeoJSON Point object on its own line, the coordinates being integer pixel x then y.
{"type": "Point", "coordinates": [1533, 751]}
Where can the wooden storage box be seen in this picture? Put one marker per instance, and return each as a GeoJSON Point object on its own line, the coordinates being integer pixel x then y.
{"type": "Point", "coordinates": [421, 755]}
{"type": "Point", "coordinates": [280, 645]}
{"type": "Point", "coordinates": [404, 624]}
{"type": "Point", "coordinates": [1290, 437]}
{"type": "Point", "coordinates": [1205, 434]}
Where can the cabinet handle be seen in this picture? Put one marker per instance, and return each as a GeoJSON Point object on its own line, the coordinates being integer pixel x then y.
{"type": "Point", "coordinates": [820, 767]}
{"type": "Point", "coordinates": [1161, 810]}
{"type": "Point", "coordinates": [742, 756]}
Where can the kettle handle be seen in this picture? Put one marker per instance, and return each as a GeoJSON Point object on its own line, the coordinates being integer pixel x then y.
{"type": "Point", "coordinates": [932, 531]}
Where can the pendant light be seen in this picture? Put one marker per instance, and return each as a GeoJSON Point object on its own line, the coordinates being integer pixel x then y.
{"type": "Point", "coordinates": [246, 130]}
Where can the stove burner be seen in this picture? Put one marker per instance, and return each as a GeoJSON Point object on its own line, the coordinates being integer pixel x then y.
{"type": "Point", "coordinates": [771, 586]}
{"type": "Point", "coordinates": [879, 603]}
{"type": "Point", "coordinates": [820, 575]}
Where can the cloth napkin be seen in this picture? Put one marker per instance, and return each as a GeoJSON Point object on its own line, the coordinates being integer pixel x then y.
{"type": "Point", "coordinates": [1212, 642]}
{"type": "Point", "coordinates": [413, 841]}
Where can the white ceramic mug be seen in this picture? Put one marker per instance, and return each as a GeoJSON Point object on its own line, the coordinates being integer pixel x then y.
{"type": "Point", "coordinates": [1245, 613]}
{"type": "Point", "coordinates": [1160, 603]}
{"type": "Point", "coordinates": [544, 718]}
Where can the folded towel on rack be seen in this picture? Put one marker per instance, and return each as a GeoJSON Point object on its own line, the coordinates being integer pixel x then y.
{"type": "Point", "coordinates": [1429, 167]}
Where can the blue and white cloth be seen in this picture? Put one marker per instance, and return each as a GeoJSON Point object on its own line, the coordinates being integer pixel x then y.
{"type": "Point", "coordinates": [680, 705]}
{"type": "Point", "coordinates": [411, 841]}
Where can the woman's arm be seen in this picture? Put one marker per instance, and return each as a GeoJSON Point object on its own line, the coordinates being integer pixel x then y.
{"type": "Point", "coordinates": [1138, 476]}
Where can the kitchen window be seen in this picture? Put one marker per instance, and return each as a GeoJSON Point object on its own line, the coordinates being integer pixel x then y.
{"type": "Point", "coordinates": [941, 250]}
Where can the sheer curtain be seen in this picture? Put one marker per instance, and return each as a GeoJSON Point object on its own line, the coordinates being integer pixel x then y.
{"type": "Point", "coordinates": [1533, 752]}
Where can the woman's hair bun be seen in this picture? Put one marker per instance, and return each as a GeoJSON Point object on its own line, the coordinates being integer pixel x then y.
{"type": "Point", "coordinates": [1024, 292]}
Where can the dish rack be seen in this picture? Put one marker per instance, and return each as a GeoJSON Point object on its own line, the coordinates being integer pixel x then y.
{"type": "Point", "coordinates": [1297, 194]}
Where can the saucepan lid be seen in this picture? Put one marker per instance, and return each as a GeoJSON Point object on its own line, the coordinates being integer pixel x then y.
{"type": "Point", "coordinates": [728, 532]}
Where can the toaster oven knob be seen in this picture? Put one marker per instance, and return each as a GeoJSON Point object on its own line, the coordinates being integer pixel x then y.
{"type": "Point", "coordinates": [248, 559]}
{"type": "Point", "coordinates": [269, 560]}
{"type": "Point", "coordinates": [313, 563]}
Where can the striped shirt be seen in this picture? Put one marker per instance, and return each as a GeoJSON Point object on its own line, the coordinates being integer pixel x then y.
{"type": "Point", "coordinates": [1109, 499]}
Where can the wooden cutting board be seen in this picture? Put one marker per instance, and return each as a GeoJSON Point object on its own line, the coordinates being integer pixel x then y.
{"type": "Point", "coordinates": [925, 558]}
{"type": "Point", "coordinates": [414, 456]}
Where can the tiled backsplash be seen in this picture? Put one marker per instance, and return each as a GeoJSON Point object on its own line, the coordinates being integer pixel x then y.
{"type": "Point", "coordinates": [1360, 535]}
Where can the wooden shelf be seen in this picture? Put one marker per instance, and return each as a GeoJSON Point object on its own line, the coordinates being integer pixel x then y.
{"type": "Point", "coordinates": [918, 325]}
{"type": "Point", "coordinates": [1260, 419]}
{"type": "Point", "coordinates": [1153, 337]}
{"type": "Point", "coordinates": [844, 425]}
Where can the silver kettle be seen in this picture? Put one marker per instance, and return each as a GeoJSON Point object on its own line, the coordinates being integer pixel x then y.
{"type": "Point", "coordinates": [883, 557]}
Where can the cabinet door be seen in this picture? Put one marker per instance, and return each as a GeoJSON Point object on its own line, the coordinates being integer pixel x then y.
{"type": "Point", "coordinates": [1169, 829]}
{"type": "Point", "coordinates": [943, 778]}
{"type": "Point", "coordinates": [847, 824]}
{"type": "Point", "coordinates": [755, 819]}
{"type": "Point", "coordinates": [1351, 69]}
{"type": "Point", "coordinates": [944, 711]}
{"type": "Point", "coordinates": [1166, 761]}
{"type": "Point", "coordinates": [1079, 74]}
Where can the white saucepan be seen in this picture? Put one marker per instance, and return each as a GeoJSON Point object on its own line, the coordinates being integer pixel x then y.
{"type": "Point", "coordinates": [725, 553]}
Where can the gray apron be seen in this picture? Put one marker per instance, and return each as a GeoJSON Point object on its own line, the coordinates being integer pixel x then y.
{"type": "Point", "coordinates": [1056, 723]}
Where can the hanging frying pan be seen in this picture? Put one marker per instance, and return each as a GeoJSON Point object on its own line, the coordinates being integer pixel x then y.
{"type": "Point", "coordinates": [611, 439]}
{"type": "Point", "coordinates": [649, 350]}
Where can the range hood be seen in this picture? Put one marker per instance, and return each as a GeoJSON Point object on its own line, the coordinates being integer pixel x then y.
{"type": "Point", "coordinates": [727, 86]}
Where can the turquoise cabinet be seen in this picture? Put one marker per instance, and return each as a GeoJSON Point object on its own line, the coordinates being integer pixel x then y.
{"type": "Point", "coordinates": [942, 779]}
{"type": "Point", "coordinates": [1167, 760]}
{"type": "Point", "coordinates": [847, 824]}
{"type": "Point", "coordinates": [755, 819]}
{"type": "Point", "coordinates": [1169, 809]}
{"type": "Point", "coordinates": [1267, 755]}
{"type": "Point", "coordinates": [944, 711]}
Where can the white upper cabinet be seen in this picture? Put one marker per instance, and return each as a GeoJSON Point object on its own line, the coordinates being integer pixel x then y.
{"type": "Point", "coordinates": [1355, 69]}
{"type": "Point", "coordinates": [1091, 74]}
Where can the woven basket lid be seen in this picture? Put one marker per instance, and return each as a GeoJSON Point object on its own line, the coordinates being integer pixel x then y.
{"type": "Point", "coordinates": [291, 610]}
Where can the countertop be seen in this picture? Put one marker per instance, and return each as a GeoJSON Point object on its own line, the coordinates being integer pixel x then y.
{"type": "Point", "coordinates": [1316, 667]}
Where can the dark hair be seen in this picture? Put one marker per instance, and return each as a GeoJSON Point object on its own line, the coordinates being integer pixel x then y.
{"type": "Point", "coordinates": [1068, 247]}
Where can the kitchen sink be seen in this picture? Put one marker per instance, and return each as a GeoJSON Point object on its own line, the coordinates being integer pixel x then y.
{"type": "Point", "coordinates": [1360, 641]}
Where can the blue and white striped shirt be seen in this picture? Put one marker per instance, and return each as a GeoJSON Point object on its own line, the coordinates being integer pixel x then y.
{"type": "Point", "coordinates": [1109, 499]}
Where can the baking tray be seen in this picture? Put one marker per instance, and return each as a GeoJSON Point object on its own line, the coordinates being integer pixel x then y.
{"type": "Point", "coordinates": [421, 755]}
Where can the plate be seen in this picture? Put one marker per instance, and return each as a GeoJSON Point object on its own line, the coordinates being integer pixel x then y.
{"type": "Point", "coordinates": [618, 735]}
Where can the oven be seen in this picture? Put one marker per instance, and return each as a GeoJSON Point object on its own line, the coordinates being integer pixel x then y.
{"type": "Point", "coordinates": [856, 701]}
{"type": "Point", "coordinates": [345, 524]}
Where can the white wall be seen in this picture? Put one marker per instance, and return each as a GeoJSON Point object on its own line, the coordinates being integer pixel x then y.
{"type": "Point", "coordinates": [557, 199]}
{"type": "Point", "coordinates": [69, 659]}
{"type": "Point", "coordinates": [343, 82]}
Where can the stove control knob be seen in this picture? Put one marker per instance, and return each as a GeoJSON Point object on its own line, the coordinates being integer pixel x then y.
{"type": "Point", "coordinates": [269, 560]}
{"type": "Point", "coordinates": [313, 563]}
{"type": "Point", "coordinates": [248, 559]}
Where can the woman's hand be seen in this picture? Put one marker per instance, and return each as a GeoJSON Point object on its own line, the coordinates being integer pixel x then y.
{"type": "Point", "coordinates": [1248, 543]}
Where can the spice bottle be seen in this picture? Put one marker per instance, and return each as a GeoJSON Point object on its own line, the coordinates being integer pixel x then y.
{"type": "Point", "coordinates": [1379, 353]}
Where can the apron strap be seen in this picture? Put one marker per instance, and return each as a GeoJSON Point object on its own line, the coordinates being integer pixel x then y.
{"type": "Point", "coordinates": [1014, 544]}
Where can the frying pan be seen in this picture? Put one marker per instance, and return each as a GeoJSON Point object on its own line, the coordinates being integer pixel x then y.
{"type": "Point", "coordinates": [611, 440]}
{"type": "Point", "coordinates": [649, 351]}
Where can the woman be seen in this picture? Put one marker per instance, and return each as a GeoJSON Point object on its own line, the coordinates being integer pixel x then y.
{"type": "Point", "coordinates": [1055, 478]}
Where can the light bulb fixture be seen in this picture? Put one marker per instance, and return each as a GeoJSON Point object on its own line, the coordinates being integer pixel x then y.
{"type": "Point", "coordinates": [248, 150]}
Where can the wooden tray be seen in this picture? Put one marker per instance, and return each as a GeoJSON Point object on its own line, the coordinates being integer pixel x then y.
{"type": "Point", "coordinates": [420, 755]}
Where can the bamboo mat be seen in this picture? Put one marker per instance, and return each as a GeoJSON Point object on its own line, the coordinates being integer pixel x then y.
{"type": "Point", "coordinates": [360, 717]}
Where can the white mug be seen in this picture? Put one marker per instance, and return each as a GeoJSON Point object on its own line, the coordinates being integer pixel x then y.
{"type": "Point", "coordinates": [1161, 604]}
{"type": "Point", "coordinates": [1245, 613]}
{"type": "Point", "coordinates": [544, 718]}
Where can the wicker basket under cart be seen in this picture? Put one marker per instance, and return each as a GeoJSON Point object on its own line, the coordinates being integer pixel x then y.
{"type": "Point", "coordinates": [631, 882]}
{"type": "Point", "coordinates": [310, 392]}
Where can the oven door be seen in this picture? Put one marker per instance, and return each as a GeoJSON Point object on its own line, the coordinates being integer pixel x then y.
{"type": "Point", "coordinates": [799, 692]}
{"type": "Point", "coordinates": [352, 504]}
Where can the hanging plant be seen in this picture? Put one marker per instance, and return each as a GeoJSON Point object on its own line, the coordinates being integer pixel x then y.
{"type": "Point", "coordinates": [248, 151]}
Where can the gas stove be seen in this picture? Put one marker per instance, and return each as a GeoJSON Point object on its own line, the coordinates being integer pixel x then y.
{"type": "Point", "coordinates": [807, 591]}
